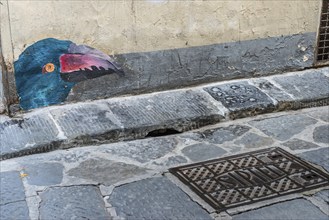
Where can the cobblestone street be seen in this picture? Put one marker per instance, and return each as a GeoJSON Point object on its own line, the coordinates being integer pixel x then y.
{"type": "Point", "coordinates": [130, 180]}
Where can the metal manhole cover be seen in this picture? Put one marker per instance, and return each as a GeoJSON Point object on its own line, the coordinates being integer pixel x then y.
{"type": "Point", "coordinates": [251, 177]}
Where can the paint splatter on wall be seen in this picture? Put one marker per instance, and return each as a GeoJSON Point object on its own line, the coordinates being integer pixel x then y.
{"type": "Point", "coordinates": [47, 70]}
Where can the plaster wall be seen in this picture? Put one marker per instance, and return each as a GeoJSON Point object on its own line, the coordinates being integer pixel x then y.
{"type": "Point", "coordinates": [168, 44]}
{"type": "Point", "coordinates": [2, 96]}
{"type": "Point", "coordinates": [150, 25]}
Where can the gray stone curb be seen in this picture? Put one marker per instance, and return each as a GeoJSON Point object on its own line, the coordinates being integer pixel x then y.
{"type": "Point", "coordinates": [126, 118]}
{"type": "Point", "coordinates": [106, 121]}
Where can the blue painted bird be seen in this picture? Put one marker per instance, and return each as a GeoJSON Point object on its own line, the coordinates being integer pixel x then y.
{"type": "Point", "coordinates": [47, 70]}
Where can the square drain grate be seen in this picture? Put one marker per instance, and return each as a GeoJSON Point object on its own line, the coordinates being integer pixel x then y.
{"type": "Point", "coordinates": [323, 41]}
{"type": "Point", "coordinates": [251, 177]}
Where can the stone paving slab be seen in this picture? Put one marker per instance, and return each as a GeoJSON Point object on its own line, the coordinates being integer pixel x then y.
{"type": "Point", "coordinates": [74, 202]}
{"type": "Point", "coordinates": [86, 121]}
{"type": "Point", "coordinates": [283, 127]}
{"type": "Point", "coordinates": [320, 157]}
{"type": "Point", "coordinates": [12, 197]}
{"type": "Point", "coordinates": [27, 136]}
{"type": "Point", "coordinates": [155, 198]}
{"type": "Point", "coordinates": [180, 111]}
{"type": "Point", "coordinates": [322, 114]}
{"type": "Point", "coordinates": [242, 99]}
{"type": "Point", "coordinates": [299, 209]}
{"type": "Point", "coordinates": [43, 174]}
{"type": "Point", "coordinates": [105, 171]}
{"type": "Point", "coordinates": [219, 135]}
{"type": "Point", "coordinates": [324, 195]}
{"type": "Point", "coordinates": [200, 152]}
{"type": "Point", "coordinates": [308, 86]}
{"type": "Point", "coordinates": [11, 187]}
{"type": "Point", "coordinates": [273, 91]}
{"type": "Point", "coordinates": [321, 134]}
{"type": "Point", "coordinates": [297, 144]}
{"type": "Point", "coordinates": [14, 211]}
{"type": "Point", "coordinates": [142, 151]}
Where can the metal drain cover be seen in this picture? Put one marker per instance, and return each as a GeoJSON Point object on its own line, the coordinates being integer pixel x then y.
{"type": "Point", "coordinates": [251, 177]}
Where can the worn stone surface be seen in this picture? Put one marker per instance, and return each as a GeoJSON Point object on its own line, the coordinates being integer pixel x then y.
{"type": "Point", "coordinates": [11, 187]}
{"type": "Point", "coordinates": [105, 171]}
{"type": "Point", "coordinates": [323, 195]}
{"type": "Point", "coordinates": [124, 164]}
{"type": "Point", "coordinates": [322, 113]}
{"type": "Point", "coordinates": [2, 95]}
{"type": "Point", "coordinates": [155, 198]}
{"type": "Point", "coordinates": [297, 144]}
{"type": "Point", "coordinates": [321, 134]}
{"type": "Point", "coordinates": [283, 127]}
{"type": "Point", "coordinates": [44, 174]}
{"type": "Point", "coordinates": [14, 211]}
{"type": "Point", "coordinates": [270, 89]}
{"type": "Point", "coordinates": [171, 161]}
{"type": "Point", "coordinates": [295, 210]}
{"type": "Point", "coordinates": [202, 151]}
{"type": "Point", "coordinates": [142, 150]}
{"type": "Point", "coordinates": [241, 98]}
{"type": "Point", "coordinates": [87, 120]}
{"type": "Point", "coordinates": [319, 157]}
{"type": "Point", "coordinates": [178, 110]}
{"type": "Point", "coordinates": [27, 134]}
{"type": "Point", "coordinates": [74, 202]}
{"type": "Point", "coordinates": [167, 69]}
{"type": "Point", "coordinates": [252, 140]}
{"type": "Point", "coordinates": [128, 118]}
{"type": "Point", "coordinates": [310, 86]}
{"type": "Point", "coordinates": [223, 134]}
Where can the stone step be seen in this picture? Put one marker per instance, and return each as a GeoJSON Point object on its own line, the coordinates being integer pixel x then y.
{"type": "Point", "coordinates": [126, 118]}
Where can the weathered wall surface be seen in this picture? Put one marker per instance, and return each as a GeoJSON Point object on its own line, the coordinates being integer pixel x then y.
{"type": "Point", "coordinates": [168, 44]}
{"type": "Point", "coordinates": [149, 25]}
{"type": "Point", "coordinates": [2, 96]}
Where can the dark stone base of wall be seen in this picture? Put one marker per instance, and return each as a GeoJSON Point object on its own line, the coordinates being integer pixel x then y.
{"type": "Point", "coordinates": [168, 69]}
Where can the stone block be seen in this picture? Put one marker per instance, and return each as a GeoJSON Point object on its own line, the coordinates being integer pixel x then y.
{"type": "Point", "coordinates": [14, 211]}
{"type": "Point", "coordinates": [242, 99]}
{"type": "Point", "coordinates": [283, 127]}
{"type": "Point", "coordinates": [295, 210]}
{"type": "Point", "coordinates": [202, 151]}
{"type": "Point", "coordinates": [319, 157]}
{"type": "Point", "coordinates": [43, 174]}
{"type": "Point", "coordinates": [87, 121]}
{"type": "Point", "coordinates": [310, 87]}
{"type": "Point", "coordinates": [29, 135]}
{"type": "Point", "coordinates": [155, 198]}
{"type": "Point", "coordinates": [144, 150]}
{"type": "Point", "coordinates": [74, 202]}
{"type": "Point", "coordinates": [105, 171]}
{"type": "Point", "coordinates": [179, 111]}
{"type": "Point", "coordinates": [11, 187]}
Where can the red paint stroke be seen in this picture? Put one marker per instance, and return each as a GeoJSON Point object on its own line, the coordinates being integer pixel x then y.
{"type": "Point", "coordinates": [76, 62]}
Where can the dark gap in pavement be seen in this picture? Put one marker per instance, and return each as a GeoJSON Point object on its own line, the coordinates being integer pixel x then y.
{"type": "Point", "coordinates": [162, 132]}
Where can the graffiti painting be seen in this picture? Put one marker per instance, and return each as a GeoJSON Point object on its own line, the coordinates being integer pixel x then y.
{"type": "Point", "coordinates": [47, 70]}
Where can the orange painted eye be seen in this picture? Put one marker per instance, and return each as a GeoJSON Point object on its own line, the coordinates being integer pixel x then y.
{"type": "Point", "coordinates": [48, 68]}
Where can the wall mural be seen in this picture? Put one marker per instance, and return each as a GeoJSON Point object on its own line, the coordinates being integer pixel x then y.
{"type": "Point", "coordinates": [47, 70]}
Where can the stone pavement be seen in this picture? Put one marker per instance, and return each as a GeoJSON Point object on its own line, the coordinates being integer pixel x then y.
{"type": "Point", "coordinates": [130, 180]}
{"type": "Point", "coordinates": [127, 118]}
